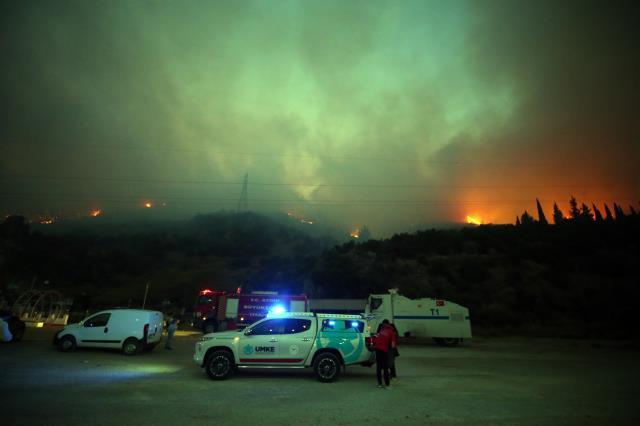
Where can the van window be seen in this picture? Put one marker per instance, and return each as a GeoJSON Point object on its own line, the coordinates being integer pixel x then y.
{"type": "Point", "coordinates": [99, 320]}
{"type": "Point", "coordinates": [375, 303]}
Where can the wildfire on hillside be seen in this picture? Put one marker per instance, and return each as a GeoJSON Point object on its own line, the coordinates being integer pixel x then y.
{"type": "Point", "coordinates": [475, 220]}
{"type": "Point", "coordinates": [300, 219]}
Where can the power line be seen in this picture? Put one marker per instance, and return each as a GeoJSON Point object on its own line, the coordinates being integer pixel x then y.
{"type": "Point", "coordinates": [302, 184]}
{"type": "Point", "coordinates": [263, 201]}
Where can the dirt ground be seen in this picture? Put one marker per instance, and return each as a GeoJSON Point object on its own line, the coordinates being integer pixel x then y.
{"type": "Point", "coordinates": [487, 381]}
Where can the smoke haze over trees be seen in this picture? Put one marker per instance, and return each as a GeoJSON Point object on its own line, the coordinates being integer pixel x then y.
{"type": "Point", "coordinates": [548, 280]}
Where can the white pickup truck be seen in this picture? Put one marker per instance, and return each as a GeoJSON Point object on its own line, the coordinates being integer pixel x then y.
{"type": "Point", "coordinates": [326, 342]}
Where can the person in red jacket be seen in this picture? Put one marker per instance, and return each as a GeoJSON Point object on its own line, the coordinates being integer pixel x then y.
{"type": "Point", "coordinates": [385, 341]}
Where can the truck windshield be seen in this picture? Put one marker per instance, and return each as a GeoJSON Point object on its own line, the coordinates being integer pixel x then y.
{"type": "Point", "coordinates": [204, 300]}
{"type": "Point", "coordinates": [375, 303]}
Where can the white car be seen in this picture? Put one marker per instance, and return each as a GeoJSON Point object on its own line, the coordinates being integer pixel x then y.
{"type": "Point", "coordinates": [130, 330]}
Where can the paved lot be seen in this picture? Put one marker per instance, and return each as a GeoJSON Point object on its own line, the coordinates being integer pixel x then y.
{"type": "Point", "coordinates": [495, 381]}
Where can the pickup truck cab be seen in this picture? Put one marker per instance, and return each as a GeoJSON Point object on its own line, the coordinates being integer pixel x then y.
{"type": "Point", "coordinates": [325, 342]}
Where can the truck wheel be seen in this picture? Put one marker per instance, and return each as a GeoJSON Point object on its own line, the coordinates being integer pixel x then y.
{"type": "Point", "coordinates": [68, 343]}
{"type": "Point", "coordinates": [219, 365]}
{"type": "Point", "coordinates": [131, 346]}
{"type": "Point", "coordinates": [327, 367]}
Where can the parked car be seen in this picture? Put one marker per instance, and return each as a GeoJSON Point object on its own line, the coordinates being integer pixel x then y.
{"type": "Point", "coordinates": [11, 327]}
{"type": "Point", "coordinates": [327, 343]}
{"type": "Point", "coordinates": [130, 330]}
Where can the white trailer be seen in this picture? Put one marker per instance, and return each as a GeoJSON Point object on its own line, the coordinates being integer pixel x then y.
{"type": "Point", "coordinates": [446, 322]}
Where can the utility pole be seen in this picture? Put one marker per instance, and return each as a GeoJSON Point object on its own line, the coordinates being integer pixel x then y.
{"type": "Point", "coordinates": [146, 290]}
{"type": "Point", "coordinates": [242, 203]}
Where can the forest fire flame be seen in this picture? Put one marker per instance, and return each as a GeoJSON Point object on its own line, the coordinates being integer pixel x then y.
{"type": "Point", "coordinates": [475, 220]}
{"type": "Point", "coordinates": [95, 213]}
{"type": "Point", "coordinates": [300, 219]}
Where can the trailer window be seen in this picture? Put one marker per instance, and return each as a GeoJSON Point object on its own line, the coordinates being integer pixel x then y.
{"type": "Point", "coordinates": [375, 303]}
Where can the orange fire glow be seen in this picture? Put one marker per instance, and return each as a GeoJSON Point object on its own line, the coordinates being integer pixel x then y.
{"type": "Point", "coordinates": [95, 213]}
{"type": "Point", "coordinates": [474, 220]}
{"type": "Point", "coordinates": [148, 205]}
{"type": "Point", "coordinates": [301, 219]}
{"type": "Point", "coordinates": [355, 233]}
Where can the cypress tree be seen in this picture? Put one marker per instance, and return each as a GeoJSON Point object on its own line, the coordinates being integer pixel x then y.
{"type": "Point", "coordinates": [599, 218]}
{"type": "Point", "coordinates": [607, 213]}
{"type": "Point", "coordinates": [541, 217]}
{"type": "Point", "coordinates": [558, 217]}
{"type": "Point", "coordinates": [618, 211]}
{"type": "Point", "coordinates": [574, 211]}
{"type": "Point", "coordinates": [585, 213]}
{"type": "Point", "coordinates": [526, 218]}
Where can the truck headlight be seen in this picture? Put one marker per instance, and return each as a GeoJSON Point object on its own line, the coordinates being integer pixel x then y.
{"type": "Point", "coordinates": [205, 338]}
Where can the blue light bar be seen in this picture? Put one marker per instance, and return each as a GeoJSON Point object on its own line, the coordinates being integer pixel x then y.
{"type": "Point", "coordinates": [277, 309]}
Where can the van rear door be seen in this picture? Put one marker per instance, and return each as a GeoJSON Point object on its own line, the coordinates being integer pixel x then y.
{"type": "Point", "coordinates": [156, 322]}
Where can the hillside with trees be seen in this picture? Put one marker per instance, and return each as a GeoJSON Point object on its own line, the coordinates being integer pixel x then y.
{"type": "Point", "coordinates": [576, 277]}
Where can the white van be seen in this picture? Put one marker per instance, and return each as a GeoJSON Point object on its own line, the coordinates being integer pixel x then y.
{"type": "Point", "coordinates": [130, 330]}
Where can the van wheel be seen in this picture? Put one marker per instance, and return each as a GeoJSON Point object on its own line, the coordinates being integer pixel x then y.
{"type": "Point", "coordinates": [131, 346]}
{"type": "Point", "coordinates": [447, 341]}
{"type": "Point", "coordinates": [327, 367]}
{"type": "Point", "coordinates": [68, 343]}
{"type": "Point", "coordinates": [219, 365]}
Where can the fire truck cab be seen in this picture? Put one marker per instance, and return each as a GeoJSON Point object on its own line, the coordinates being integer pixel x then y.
{"type": "Point", "coordinates": [219, 310]}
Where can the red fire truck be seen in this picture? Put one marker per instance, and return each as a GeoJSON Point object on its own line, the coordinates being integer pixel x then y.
{"type": "Point", "coordinates": [220, 310]}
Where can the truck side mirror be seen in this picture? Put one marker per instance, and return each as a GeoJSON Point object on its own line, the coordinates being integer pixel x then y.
{"type": "Point", "coordinates": [247, 332]}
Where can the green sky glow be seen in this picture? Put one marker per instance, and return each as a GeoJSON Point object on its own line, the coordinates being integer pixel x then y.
{"type": "Point", "coordinates": [430, 93]}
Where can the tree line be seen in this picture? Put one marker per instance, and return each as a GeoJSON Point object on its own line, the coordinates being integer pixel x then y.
{"type": "Point", "coordinates": [574, 279]}
{"type": "Point", "coordinates": [578, 214]}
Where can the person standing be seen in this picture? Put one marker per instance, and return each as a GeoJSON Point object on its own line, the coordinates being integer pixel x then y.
{"type": "Point", "coordinates": [393, 352]}
{"type": "Point", "coordinates": [384, 342]}
{"type": "Point", "coordinates": [171, 329]}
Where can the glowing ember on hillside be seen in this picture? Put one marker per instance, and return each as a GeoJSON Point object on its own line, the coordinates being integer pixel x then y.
{"type": "Point", "coordinates": [474, 220]}
{"type": "Point", "coordinates": [95, 213]}
{"type": "Point", "coordinates": [148, 205]}
{"type": "Point", "coordinates": [355, 234]}
{"type": "Point", "coordinates": [301, 219]}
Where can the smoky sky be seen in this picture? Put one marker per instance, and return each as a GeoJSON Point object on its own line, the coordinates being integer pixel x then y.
{"type": "Point", "coordinates": [392, 115]}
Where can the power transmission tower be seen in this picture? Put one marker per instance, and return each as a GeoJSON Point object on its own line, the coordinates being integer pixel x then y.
{"type": "Point", "coordinates": [242, 204]}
